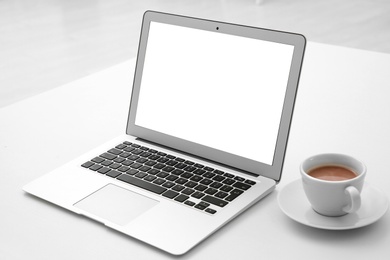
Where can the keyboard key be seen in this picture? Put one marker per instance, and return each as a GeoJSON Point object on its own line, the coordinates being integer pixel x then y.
{"type": "Point", "coordinates": [107, 163]}
{"type": "Point", "coordinates": [144, 168]}
{"type": "Point", "coordinates": [171, 163]}
{"type": "Point", "coordinates": [200, 187]}
{"type": "Point", "coordinates": [125, 155]}
{"type": "Point", "coordinates": [87, 164]}
{"type": "Point", "coordinates": [163, 160]}
{"type": "Point", "coordinates": [168, 184]}
{"type": "Point", "coordinates": [206, 181]}
{"type": "Point", "coordinates": [234, 194]}
{"type": "Point", "coordinates": [238, 178]}
{"type": "Point", "coordinates": [119, 160]}
{"type": "Point", "coordinates": [121, 146]}
{"type": "Point", "coordinates": [200, 207]}
{"type": "Point", "coordinates": [159, 181]}
{"type": "Point", "coordinates": [226, 188]}
{"type": "Point", "coordinates": [108, 156]}
{"type": "Point", "coordinates": [211, 211]}
{"type": "Point", "coordinates": [228, 181]}
{"type": "Point", "coordinates": [187, 175]}
{"type": "Point", "coordinates": [199, 171]}
{"type": "Point", "coordinates": [190, 184]}
{"type": "Point", "coordinates": [197, 194]}
{"type": "Point", "coordinates": [210, 191]}
{"type": "Point", "coordinates": [231, 197]}
{"type": "Point", "coordinates": [95, 167]}
{"type": "Point", "coordinates": [177, 172]}
{"type": "Point", "coordinates": [140, 175]}
{"type": "Point", "coordinates": [142, 160]}
{"type": "Point", "coordinates": [215, 201]}
{"type": "Point", "coordinates": [150, 178]}
{"type": "Point", "coordinates": [144, 148]}
{"type": "Point", "coordinates": [218, 172]}
{"type": "Point", "coordinates": [221, 194]}
{"type": "Point", "coordinates": [250, 182]}
{"type": "Point", "coordinates": [141, 183]}
{"type": "Point", "coordinates": [145, 154]}
{"type": "Point", "coordinates": [162, 174]}
{"type": "Point", "coordinates": [97, 160]}
{"type": "Point", "coordinates": [180, 165]}
{"type": "Point", "coordinates": [132, 172]}
{"type": "Point", "coordinates": [181, 181]}
{"type": "Point", "coordinates": [236, 191]}
{"type": "Point", "coordinates": [115, 166]}
{"type": "Point", "coordinates": [241, 185]}
{"type": "Point", "coordinates": [159, 166]}
{"type": "Point", "coordinates": [171, 177]}
{"type": "Point", "coordinates": [113, 173]}
{"type": "Point", "coordinates": [133, 157]}
{"type": "Point", "coordinates": [189, 203]}
{"type": "Point", "coordinates": [104, 170]}
{"type": "Point", "coordinates": [154, 157]}
{"type": "Point", "coordinates": [129, 149]}
{"type": "Point", "coordinates": [136, 165]}
{"type": "Point", "coordinates": [150, 163]}
{"type": "Point", "coordinates": [168, 169]}
{"type": "Point", "coordinates": [170, 194]}
{"type": "Point", "coordinates": [189, 168]}
{"type": "Point", "coordinates": [218, 178]}
{"type": "Point", "coordinates": [137, 151]}
{"type": "Point", "coordinates": [188, 191]}
{"type": "Point", "coordinates": [216, 185]}
{"type": "Point", "coordinates": [115, 151]}
{"type": "Point", "coordinates": [181, 198]}
{"type": "Point", "coordinates": [209, 175]}
{"type": "Point", "coordinates": [123, 168]}
{"type": "Point", "coordinates": [196, 178]}
{"type": "Point", "coordinates": [178, 187]}
{"type": "Point", "coordinates": [153, 171]}
{"type": "Point", "coordinates": [204, 204]}
{"type": "Point", "coordinates": [229, 175]}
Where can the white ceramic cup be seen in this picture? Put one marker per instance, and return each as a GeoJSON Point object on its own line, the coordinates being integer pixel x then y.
{"type": "Point", "coordinates": [333, 198]}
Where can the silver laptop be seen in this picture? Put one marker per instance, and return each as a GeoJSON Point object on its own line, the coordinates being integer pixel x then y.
{"type": "Point", "coordinates": [207, 130]}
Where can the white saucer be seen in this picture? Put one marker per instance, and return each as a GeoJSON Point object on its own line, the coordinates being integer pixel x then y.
{"type": "Point", "coordinates": [293, 202]}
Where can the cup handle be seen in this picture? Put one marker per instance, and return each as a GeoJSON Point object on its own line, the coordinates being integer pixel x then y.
{"type": "Point", "coordinates": [355, 199]}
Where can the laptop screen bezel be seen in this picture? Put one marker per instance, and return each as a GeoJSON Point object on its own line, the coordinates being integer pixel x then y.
{"type": "Point", "coordinates": [273, 171]}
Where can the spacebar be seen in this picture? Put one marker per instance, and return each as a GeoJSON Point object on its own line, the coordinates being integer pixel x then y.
{"type": "Point", "coordinates": [142, 184]}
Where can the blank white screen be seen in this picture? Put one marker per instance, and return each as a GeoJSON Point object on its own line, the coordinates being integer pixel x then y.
{"type": "Point", "coordinates": [215, 89]}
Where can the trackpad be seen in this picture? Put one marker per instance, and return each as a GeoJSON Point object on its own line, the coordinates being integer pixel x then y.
{"type": "Point", "coordinates": [116, 204]}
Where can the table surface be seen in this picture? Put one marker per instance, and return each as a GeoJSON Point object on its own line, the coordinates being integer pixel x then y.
{"type": "Point", "coordinates": [342, 106]}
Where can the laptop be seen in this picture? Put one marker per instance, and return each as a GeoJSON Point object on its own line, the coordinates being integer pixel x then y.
{"type": "Point", "coordinates": [206, 136]}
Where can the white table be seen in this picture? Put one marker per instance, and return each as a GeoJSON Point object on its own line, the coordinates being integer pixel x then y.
{"type": "Point", "coordinates": [342, 106]}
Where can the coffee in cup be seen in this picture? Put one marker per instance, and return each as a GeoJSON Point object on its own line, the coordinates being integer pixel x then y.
{"type": "Point", "coordinates": [332, 173]}
{"type": "Point", "coordinates": [333, 183]}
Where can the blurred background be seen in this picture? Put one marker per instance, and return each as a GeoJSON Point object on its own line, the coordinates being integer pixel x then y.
{"type": "Point", "coordinates": [47, 43]}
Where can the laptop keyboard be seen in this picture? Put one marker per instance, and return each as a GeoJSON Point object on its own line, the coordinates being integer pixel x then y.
{"type": "Point", "coordinates": [181, 180]}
